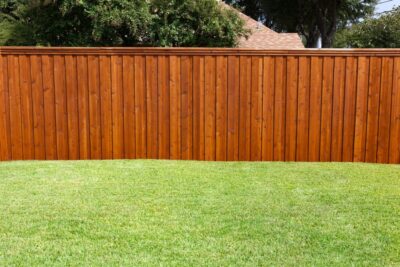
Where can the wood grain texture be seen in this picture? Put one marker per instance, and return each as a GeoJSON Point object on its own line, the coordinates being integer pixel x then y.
{"type": "Point", "coordinates": [315, 108]}
{"type": "Point", "coordinates": [350, 108]}
{"type": "Point", "coordinates": [291, 108]}
{"type": "Point", "coordinates": [268, 109]}
{"type": "Point", "coordinates": [128, 84]}
{"type": "Point", "coordinates": [188, 104]}
{"type": "Point", "coordinates": [38, 107]}
{"type": "Point", "coordinates": [361, 110]}
{"type": "Point", "coordinates": [303, 109]}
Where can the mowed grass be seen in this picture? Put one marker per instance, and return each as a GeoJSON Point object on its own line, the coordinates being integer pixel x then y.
{"type": "Point", "coordinates": [169, 213]}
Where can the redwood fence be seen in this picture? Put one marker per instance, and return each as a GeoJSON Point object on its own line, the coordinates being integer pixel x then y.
{"type": "Point", "coordinates": [201, 104]}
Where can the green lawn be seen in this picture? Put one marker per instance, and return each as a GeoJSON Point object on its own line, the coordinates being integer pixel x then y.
{"type": "Point", "coordinates": [169, 213]}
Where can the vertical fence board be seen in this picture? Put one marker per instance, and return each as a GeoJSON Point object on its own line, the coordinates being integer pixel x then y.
{"type": "Point", "coordinates": [349, 108]}
{"type": "Point", "coordinates": [129, 106]}
{"type": "Point", "coordinates": [198, 108]}
{"type": "Point", "coordinates": [186, 107]}
{"type": "Point", "coordinates": [279, 112]}
{"type": "Point", "coordinates": [315, 108]}
{"type": "Point", "coordinates": [394, 147]}
{"type": "Point", "coordinates": [15, 104]}
{"type": "Point", "coordinates": [233, 108]}
{"type": "Point", "coordinates": [61, 107]}
{"type": "Point", "coordinates": [245, 108]}
{"type": "Point", "coordinates": [50, 127]}
{"type": "Point", "coordinates": [72, 107]}
{"type": "Point", "coordinates": [38, 107]}
{"type": "Point", "coordinates": [5, 144]}
{"type": "Point", "coordinates": [291, 108]}
{"type": "Point", "coordinates": [303, 109]}
{"type": "Point", "coordinates": [256, 108]}
{"type": "Point", "coordinates": [385, 105]}
{"type": "Point", "coordinates": [326, 109]}
{"type": "Point", "coordinates": [210, 65]}
{"type": "Point", "coordinates": [175, 107]}
{"type": "Point", "coordinates": [361, 110]}
{"type": "Point", "coordinates": [95, 119]}
{"type": "Point", "coordinates": [26, 108]}
{"type": "Point", "coordinates": [221, 108]}
{"type": "Point", "coordinates": [152, 106]}
{"type": "Point", "coordinates": [373, 109]}
{"type": "Point", "coordinates": [106, 107]}
{"type": "Point", "coordinates": [140, 107]}
{"type": "Point", "coordinates": [338, 108]}
{"type": "Point", "coordinates": [268, 109]}
{"type": "Point", "coordinates": [117, 99]}
{"type": "Point", "coordinates": [163, 111]}
{"type": "Point", "coordinates": [83, 107]}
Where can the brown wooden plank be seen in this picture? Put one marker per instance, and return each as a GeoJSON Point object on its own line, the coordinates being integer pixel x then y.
{"type": "Point", "coordinates": [373, 109]}
{"type": "Point", "coordinates": [72, 107]}
{"type": "Point", "coordinates": [26, 108]}
{"type": "Point", "coordinates": [360, 132]}
{"type": "Point", "coordinates": [61, 108]}
{"type": "Point", "coordinates": [349, 108]}
{"type": "Point", "coordinates": [279, 112]}
{"type": "Point", "coordinates": [140, 107]}
{"type": "Point", "coordinates": [117, 99]}
{"type": "Point", "coordinates": [326, 109]}
{"type": "Point", "coordinates": [175, 107]}
{"type": "Point", "coordinates": [233, 108]}
{"type": "Point", "coordinates": [385, 103]}
{"type": "Point", "coordinates": [198, 108]}
{"type": "Point", "coordinates": [163, 110]}
{"type": "Point", "coordinates": [394, 145]}
{"type": "Point", "coordinates": [268, 109]}
{"type": "Point", "coordinates": [186, 107]}
{"type": "Point", "coordinates": [245, 109]}
{"type": "Point", "coordinates": [94, 107]}
{"type": "Point", "coordinates": [5, 131]}
{"type": "Point", "coordinates": [15, 107]}
{"type": "Point", "coordinates": [210, 65]}
{"type": "Point", "coordinates": [315, 108]}
{"type": "Point", "coordinates": [152, 107]}
{"type": "Point", "coordinates": [221, 108]}
{"type": "Point", "coordinates": [256, 108]}
{"type": "Point", "coordinates": [83, 107]}
{"type": "Point", "coordinates": [338, 108]}
{"type": "Point", "coordinates": [106, 107]}
{"type": "Point", "coordinates": [50, 127]}
{"type": "Point", "coordinates": [129, 106]}
{"type": "Point", "coordinates": [38, 107]}
{"type": "Point", "coordinates": [303, 109]}
{"type": "Point", "coordinates": [291, 108]}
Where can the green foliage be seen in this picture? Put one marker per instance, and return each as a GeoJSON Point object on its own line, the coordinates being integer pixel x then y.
{"type": "Point", "coordinates": [382, 32]}
{"type": "Point", "coordinates": [119, 23]}
{"type": "Point", "coordinates": [314, 19]}
{"type": "Point", "coordinates": [311, 19]}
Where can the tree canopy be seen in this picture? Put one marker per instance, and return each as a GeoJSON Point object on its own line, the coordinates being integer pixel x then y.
{"type": "Point", "coordinates": [119, 23]}
{"type": "Point", "coordinates": [310, 18]}
{"type": "Point", "coordinates": [381, 32]}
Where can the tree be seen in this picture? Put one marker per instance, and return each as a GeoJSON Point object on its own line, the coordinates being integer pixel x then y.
{"type": "Point", "coordinates": [118, 23]}
{"type": "Point", "coordinates": [313, 19]}
{"type": "Point", "coordinates": [381, 32]}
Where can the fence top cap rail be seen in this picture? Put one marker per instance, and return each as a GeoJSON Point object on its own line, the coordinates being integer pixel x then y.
{"type": "Point", "coordinates": [29, 50]}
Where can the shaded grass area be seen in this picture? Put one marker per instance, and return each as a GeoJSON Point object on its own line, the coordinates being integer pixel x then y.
{"type": "Point", "coordinates": [198, 214]}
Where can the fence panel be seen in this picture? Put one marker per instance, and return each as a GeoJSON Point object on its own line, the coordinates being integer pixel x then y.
{"type": "Point", "coordinates": [200, 104]}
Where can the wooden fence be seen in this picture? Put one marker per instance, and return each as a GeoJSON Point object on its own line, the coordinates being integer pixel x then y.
{"type": "Point", "coordinates": [201, 104]}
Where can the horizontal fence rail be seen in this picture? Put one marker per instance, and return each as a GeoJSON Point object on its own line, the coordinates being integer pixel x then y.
{"type": "Point", "coordinates": [200, 104]}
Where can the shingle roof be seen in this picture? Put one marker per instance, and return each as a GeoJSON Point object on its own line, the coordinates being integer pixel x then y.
{"type": "Point", "coordinates": [262, 37]}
